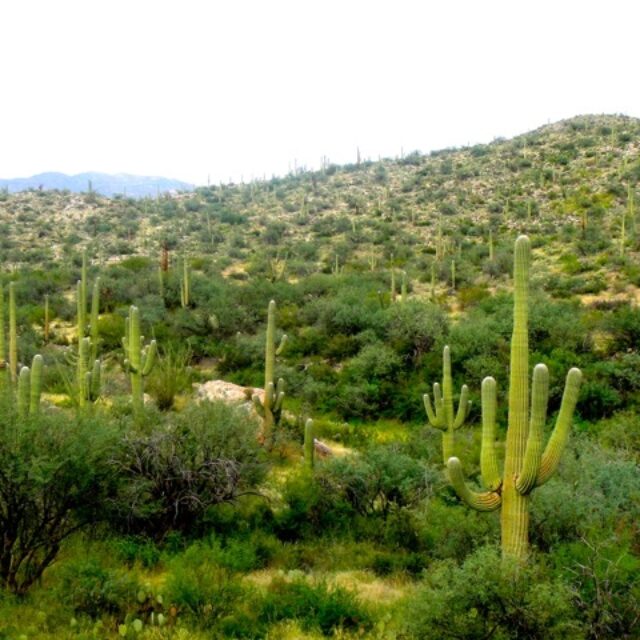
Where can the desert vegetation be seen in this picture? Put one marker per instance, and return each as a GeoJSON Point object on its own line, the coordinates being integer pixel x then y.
{"type": "Point", "coordinates": [219, 416]}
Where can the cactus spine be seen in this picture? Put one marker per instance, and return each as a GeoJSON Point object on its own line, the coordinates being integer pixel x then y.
{"type": "Point", "coordinates": [30, 388]}
{"type": "Point", "coordinates": [270, 408]}
{"type": "Point", "coordinates": [13, 334]}
{"type": "Point", "coordinates": [526, 466]}
{"type": "Point", "coordinates": [309, 448]}
{"type": "Point", "coordinates": [440, 413]}
{"type": "Point", "coordinates": [139, 361]}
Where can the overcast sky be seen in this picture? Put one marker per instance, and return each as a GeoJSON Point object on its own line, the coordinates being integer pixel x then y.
{"type": "Point", "coordinates": [189, 89]}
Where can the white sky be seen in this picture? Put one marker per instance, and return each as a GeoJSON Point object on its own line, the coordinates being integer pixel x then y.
{"type": "Point", "coordinates": [188, 89]}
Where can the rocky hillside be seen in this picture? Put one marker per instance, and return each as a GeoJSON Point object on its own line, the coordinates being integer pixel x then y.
{"type": "Point", "coordinates": [570, 186]}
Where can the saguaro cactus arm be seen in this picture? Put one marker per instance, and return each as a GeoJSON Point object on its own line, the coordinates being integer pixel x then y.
{"type": "Point", "coordinates": [558, 439]}
{"type": "Point", "coordinates": [485, 501]}
{"type": "Point", "coordinates": [533, 454]}
{"type": "Point", "coordinates": [36, 384]}
{"type": "Point", "coordinates": [24, 385]}
{"type": "Point", "coordinates": [488, 458]}
{"type": "Point", "coordinates": [434, 416]}
{"type": "Point", "coordinates": [463, 407]}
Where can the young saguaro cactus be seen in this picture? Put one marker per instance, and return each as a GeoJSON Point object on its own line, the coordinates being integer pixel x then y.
{"type": "Point", "coordinates": [139, 361]}
{"type": "Point", "coordinates": [30, 388]}
{"type": "Point", "coordinates": [526, 466]}
{"type": "Point", "coordinates": [270, 408]}
{"type": "Point", "coordinates": [440, 413]}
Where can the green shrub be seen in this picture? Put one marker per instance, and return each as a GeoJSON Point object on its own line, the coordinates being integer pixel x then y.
{"type": "Point", "coordinates": [201, 590]}
{"type": "Point", "coordinates": [204, 456]}
{"type": "Point", "coordinates": [314, 606]}
{"type": "Point", "coordinates": [56, 478]}
{"type": "Point", "coordinates": [93, 590]}
{"type": "Point", "coordinates": [488, 597]}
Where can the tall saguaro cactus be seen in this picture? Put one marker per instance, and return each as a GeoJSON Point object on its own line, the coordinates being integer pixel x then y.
{"type": "Point", "coordinates": [13, 334]}
{"type": "Point", "coordinates": [440, 413]}
{"type": "Point", "coordinates": [526, 466]}
{"type": "Point", "coordinates": [271, 407]}
{"type": "Point", "coordinates": [139, 361]}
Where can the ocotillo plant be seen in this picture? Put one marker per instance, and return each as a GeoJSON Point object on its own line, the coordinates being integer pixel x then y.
{"type": "Point", "coordinates": [309, 448]}
{"type": "Point", "coordinates": [13, 334]}
{"type": "Point", "coordinates": [525, 464]}
{"type": "Point", "coordinates": [440, 413]}
{"type": "Point", "coordinates": [138, 361]}
{"type": "Point", "coordinates": [270, 408]}
{"type": "Point", "coordinates": [30, 388]}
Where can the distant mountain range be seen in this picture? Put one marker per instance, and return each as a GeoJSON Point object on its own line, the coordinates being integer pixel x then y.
{"type": "Point", "coordinates": [102, 183]}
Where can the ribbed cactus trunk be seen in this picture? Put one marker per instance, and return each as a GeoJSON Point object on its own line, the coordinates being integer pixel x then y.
{"type": "Point", "coordinates": [270, 407]}
{"type": "Point", "coordinates": [269, 367]}
{"type": "Point", "coordinates": [139, 362]}
{"type": "Point", "coordinates": [93, 321]}
{"type": "Point", "coordinates": [515, 512]}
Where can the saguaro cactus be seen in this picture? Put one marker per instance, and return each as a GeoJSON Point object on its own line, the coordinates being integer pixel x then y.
{"type": "Point", "coordinates": [184, 284]}
{"type": "Point", "coordinates": [309, 448]}
{"type": "Point", "coordinates": [139, 361]}
{"type": "Point", "coordinates": [4, 366]}
{"type": "Point", "coordinates": [440, 413]}
{"type": "Point", "coordinates": [30, 388]}
{"type": "Point", "coordinates": [93, 319]}
{"type": "Point", "coordinates": [526, 466]}
{"type": "Point", "coordinates": [87, 381]}
{"type": "Point", "coordinates": [271, 407]}
{"type": "Point", "coordinates": [13, 334]}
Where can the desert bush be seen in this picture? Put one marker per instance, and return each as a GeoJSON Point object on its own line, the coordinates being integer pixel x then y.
{"type": "Point", "coordinates": [56, 478]}
{"type": "Point", "coordinates": [204, 456]}
{"type": "Point", "coordinates": [314, 606]}
{"type": "Point", "coordinates": [487, 597]}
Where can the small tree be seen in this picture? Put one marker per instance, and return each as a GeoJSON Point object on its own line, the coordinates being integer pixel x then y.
{"type": "Point", "coordinates": [54, 480]}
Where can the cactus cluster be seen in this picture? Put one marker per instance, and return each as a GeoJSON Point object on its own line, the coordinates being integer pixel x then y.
{"type": "Point", "coordinates": [87, 364]}
{"type": "Point", "coordinates": [270, 409]}
{"type": "Point", "coordinates": [30, 388]}
{"type": "Point", "coordinates": [526, 465]}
